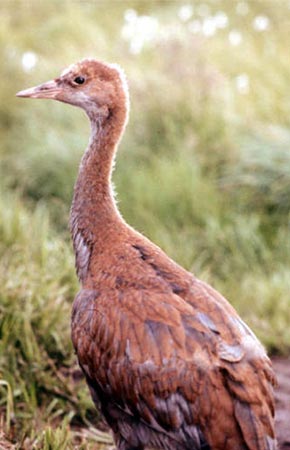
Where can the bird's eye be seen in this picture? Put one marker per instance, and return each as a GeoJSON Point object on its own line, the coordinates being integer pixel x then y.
{"type": "Point", "coordinates": [79, 80]}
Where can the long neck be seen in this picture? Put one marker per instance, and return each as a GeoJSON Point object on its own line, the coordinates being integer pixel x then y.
{"type": "Point", "coordinates": [93, 208]}
{"type": "Point", "coordinates": [93, 185]}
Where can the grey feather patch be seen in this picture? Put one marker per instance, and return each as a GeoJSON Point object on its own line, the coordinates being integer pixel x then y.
{"type": "Point", "coordinates": [207, 322]}
{"type": "Point", "coordinates": [83, 253]}
{"type": "Point", "coordinates": [271, 443]}
{"type": "Point", "coordinates": [243, 327]}
{"type": "Point", "coordinates": [128, 350]}
{"type": "Point", "coordinates": [231, 353]}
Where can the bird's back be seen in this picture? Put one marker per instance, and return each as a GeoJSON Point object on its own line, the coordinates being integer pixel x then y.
{"type": "Point", "coordinates": [167, 358]}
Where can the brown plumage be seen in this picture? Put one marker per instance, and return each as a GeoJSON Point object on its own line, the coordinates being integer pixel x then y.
{"type": "Point", "coordinates": [167, 359]}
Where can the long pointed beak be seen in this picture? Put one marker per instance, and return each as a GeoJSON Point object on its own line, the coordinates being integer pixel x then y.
{"type": "Point", "coordinates": [50, 89]}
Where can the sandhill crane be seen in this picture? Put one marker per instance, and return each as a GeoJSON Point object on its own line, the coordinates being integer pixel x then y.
{"type": "Point", "coordinates": [167, 359]}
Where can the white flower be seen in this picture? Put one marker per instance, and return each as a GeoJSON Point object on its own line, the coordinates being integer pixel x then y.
{"type": "Point", "coordinates": [185, 12]}
{"type": "Point", "coordinates": [235, 38]}
{"type": "Point", "coordinates": [139, 30]}
{"type": "Point", "coordinates": [242, 83]}
{"type": "Point", "coordinates": [221, 19]}
{"type": "Point", "coordinates": [130, 15]}
{"type": "Point", "coordinates": [209, 26]}
{"type": "Point", "coordinates": [261, 23]}
{"type": "Point", "coordinates": [29, 59]}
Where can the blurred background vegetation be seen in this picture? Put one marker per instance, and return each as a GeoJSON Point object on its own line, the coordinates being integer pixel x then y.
{"type": "Point", "coordinates": [203, 170]}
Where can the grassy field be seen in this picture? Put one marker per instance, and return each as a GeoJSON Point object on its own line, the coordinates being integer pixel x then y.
{"type": "Point", "coordinates": [203, 170]}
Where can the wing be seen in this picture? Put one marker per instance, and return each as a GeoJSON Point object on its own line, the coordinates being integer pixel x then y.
{"type": "Point", "coordinates": [177, 361]}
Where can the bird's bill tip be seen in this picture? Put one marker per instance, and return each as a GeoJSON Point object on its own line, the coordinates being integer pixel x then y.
{"type": "Point", "coordinates": [25, 93]}
{"type": "Point", "coordinates": [49, 89]}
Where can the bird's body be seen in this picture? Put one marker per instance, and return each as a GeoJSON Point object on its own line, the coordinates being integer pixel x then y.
{"type": "Point", "coordinates": [167, 359]}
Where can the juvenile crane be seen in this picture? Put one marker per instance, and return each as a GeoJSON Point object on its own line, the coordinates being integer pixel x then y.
{"type": "Point", "coordinates": [168, 361]}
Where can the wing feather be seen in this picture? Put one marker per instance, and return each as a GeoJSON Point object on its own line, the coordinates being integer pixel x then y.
{"type": "Point", "coordinates": [177, 362]}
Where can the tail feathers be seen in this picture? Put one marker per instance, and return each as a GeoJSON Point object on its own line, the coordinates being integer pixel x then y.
{"type": "Point", "coordinates": [271, 443]}
{"type": "Point", "coordinates": [253, 402]}
{"type": "Point", "coordinates": [253, 430]}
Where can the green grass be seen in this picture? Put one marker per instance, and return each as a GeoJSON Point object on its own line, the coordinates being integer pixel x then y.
{"type": "Point", "coordinates": [203, 170]}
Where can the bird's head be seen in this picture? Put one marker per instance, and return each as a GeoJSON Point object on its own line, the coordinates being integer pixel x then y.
{"type": "Point", "coordinates": [97, 87]}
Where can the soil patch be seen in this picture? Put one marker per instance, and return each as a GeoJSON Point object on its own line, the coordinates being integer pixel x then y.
{"type": "Point", "coordinates": [282, 396]}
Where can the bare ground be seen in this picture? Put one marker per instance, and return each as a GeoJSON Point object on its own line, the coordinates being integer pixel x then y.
{"type": "Point", "coordinates": [282, 395]}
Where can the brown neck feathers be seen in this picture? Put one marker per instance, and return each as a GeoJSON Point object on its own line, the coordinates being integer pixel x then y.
{"type": "Point", "coordinates": [93, 208]}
